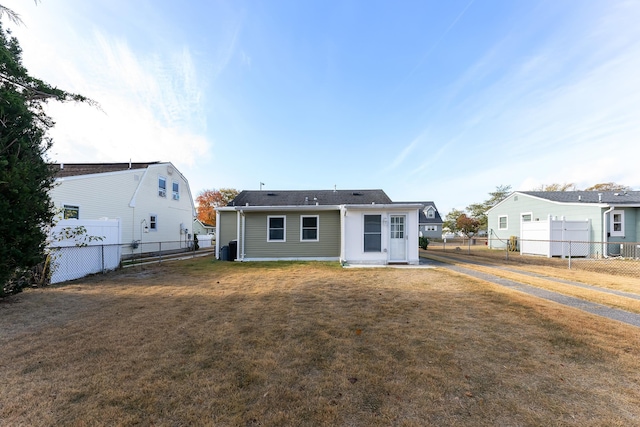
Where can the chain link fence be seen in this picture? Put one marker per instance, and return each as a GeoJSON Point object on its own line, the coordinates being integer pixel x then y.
{"type": "Point", "coordinates": [73, 262]}
{"type": "Point", "coordinates": [603, 257]}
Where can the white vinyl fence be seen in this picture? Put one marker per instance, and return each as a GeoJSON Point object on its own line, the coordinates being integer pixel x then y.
{"type": "Point", "coordinates": [552, 237]}
{"type": "Point", "coordinates": [95, 250]}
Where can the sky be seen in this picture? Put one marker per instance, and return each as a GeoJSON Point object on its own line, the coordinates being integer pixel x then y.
{"type": "Point", "coordinates": [428, 100]}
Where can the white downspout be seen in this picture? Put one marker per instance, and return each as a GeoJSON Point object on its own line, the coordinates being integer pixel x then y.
{"type": "Point", "coordinates": [343, 252]}
{"type": "Point", "coordinates": [604, 231]}
{"type": "Point", "coordinates": [238, 233]}
{"type": "Point", "coordinates": [241, 250]}
{"type": "Point", "coordinates": [217, 255]}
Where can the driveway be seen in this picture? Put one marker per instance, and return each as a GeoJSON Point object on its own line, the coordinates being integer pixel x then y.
{"type": "Point", "coordinates": [590, 307]}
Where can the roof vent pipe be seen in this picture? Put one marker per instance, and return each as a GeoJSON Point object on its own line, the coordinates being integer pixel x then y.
{"type": "Point", "coordinates": [599, 197]}
{"type": "Point", "coordinates": [579, 198]}
{"type": "Point", "coordinates": [61, 165]}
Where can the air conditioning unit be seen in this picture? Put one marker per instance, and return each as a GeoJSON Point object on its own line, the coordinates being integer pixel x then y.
{"type": "Point", "coordinates": [162, 192]}
{"type": "Point", "coordinates": [629, 250]}
{"type": "Point", "coordinates": [176, 196]}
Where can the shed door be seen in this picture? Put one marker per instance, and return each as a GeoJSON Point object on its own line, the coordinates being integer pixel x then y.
{"type": "Point", "coordinates": [397, 238]}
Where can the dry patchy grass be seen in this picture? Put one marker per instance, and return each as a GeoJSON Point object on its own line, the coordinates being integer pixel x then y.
{"type": "Point", "coordinates": [545, 275]}
{"type": "Point", "coordinates": [213, 343]}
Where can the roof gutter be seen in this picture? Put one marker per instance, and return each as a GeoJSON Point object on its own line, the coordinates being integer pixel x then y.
{"type": "Point", "coordinates": [320, 207]}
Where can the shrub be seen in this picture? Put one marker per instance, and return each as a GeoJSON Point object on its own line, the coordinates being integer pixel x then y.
{"type": "Point", "coordinates": [423, 242]}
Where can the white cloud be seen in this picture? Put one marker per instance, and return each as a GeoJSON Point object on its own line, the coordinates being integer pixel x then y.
{"type": "Point", "coordinates": [152, 102]}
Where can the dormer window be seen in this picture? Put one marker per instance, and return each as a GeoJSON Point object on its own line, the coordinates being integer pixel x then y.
{"type": "Point", "coordinates": [431, 213]}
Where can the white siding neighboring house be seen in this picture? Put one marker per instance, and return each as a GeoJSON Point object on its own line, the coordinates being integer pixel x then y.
{"type": "Point", "coordinates": [152, 200]}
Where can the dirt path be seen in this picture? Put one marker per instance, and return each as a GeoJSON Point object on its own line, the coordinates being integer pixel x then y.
{"type": "Point", "coordinates": [466, 267]}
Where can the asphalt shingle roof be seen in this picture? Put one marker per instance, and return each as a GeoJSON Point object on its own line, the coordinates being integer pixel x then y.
{"type": "Point", "coordinates": [310, 197]}
{"type": "Point", "coordinates": [74, 169]}
{"type": "Point", "coordinates": [608, 197]}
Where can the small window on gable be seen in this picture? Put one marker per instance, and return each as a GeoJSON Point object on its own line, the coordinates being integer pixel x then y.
{"type": "Point", "coordinates": [153, 222]}
{"type": "Point", "coordinates": [276, 227]}
{"type": "Point", "coordinates": [71, 212]}
{"type": "Point", "coordinates": [431, 213]}
{"type": "Point", "coordinates": [309, 228]}
{"type": "Point", "coordinates": [176, 190]}
{"type": "Point", "coordinates": [162, 186]}
{"type": "Point", "coordinates": [617, 223]}
{"type": "Point", "coordinates": [502, 222]}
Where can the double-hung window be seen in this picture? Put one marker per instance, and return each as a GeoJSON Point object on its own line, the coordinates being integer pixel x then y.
{"type": "Point", "coordinates": [176, 191]}
{"type": "Point", "coordinates": [372, 233]}
{"type": "Point", "coordinates": [276, 228]}
{"type": "Point", "coordinates": [617, 223]}
{"type": "Point", "coordinates": [309, 228]}
{"type": "Point", "coordinates": [153, 222]}
{"type": "Point", "coordinates": [502, 222]}
{"type": "Point", "coordinates": [162, 186]}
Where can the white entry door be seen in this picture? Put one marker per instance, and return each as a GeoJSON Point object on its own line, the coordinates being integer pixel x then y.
{"type": "Point", "coordinates": [397, 238]}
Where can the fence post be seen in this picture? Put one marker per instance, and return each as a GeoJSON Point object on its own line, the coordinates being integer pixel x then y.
{"type": "Point", "coordinates": [102, 254]}
{"type": "Point", "coordinates": [160, 250]}
{"type": "Point", "coordinates": [569, 254]}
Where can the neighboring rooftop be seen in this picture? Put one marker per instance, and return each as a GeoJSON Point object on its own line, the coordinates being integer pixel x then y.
{"type": "Point", "coordinates": [74, 169]}
{"type": "Point", "coordinates": [422, 218]}
{"type": "Point", "coordinates": [310, 197]}
{"type": "Point", "coordinates": [607, 197]}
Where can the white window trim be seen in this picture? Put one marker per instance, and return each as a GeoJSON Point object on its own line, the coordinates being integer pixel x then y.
{"type": "Point", "coordinates": [611, 223]}
{"type": "Point", "coordinates": [317, 217]}
{"type": "Point", "coordinates": [175, 195]}
{"type": "Point", "coordinates": [64, 208]}
{"type": "Point", "coordinates": [284, 225]}
{"type": "Point", "coordinates": [364, 233]}
{"type": "Point", "coordinates": [430, 213]}
{"type": "Point", "coordinates": [522, 214]}
{"type": "Point", "coordinates": [153, 229]}
{"type": "Point", "coordinates": [506, 222]}
{"type": "Point", "coordinates": [160, 194]}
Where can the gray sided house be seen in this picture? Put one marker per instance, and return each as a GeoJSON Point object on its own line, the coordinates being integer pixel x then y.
{"type": "Point", "coordinates": [611, 217]}
{"type": "Point", "coordinates": [429, 221]}
{"type": "Point", "coordinates": [354, 226]}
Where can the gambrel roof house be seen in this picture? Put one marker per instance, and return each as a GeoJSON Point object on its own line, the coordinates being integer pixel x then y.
{"type": "Point", "coordinates": [613, 216]}
{"type": "Point", "coordinates": [351, 226]}
{"type": "Point", "coordinates": [152, 200]}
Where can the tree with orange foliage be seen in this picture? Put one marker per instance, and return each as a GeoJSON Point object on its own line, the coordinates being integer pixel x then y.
{"type": "Point", "coordinates": [209, 200]}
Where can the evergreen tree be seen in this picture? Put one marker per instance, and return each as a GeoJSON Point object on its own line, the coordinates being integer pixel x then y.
{"type": "Point", "coordinates": [25, 177]}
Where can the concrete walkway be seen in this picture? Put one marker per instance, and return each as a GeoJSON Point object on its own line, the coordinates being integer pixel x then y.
{"type": "Point", "coordinates": [590, 307]}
